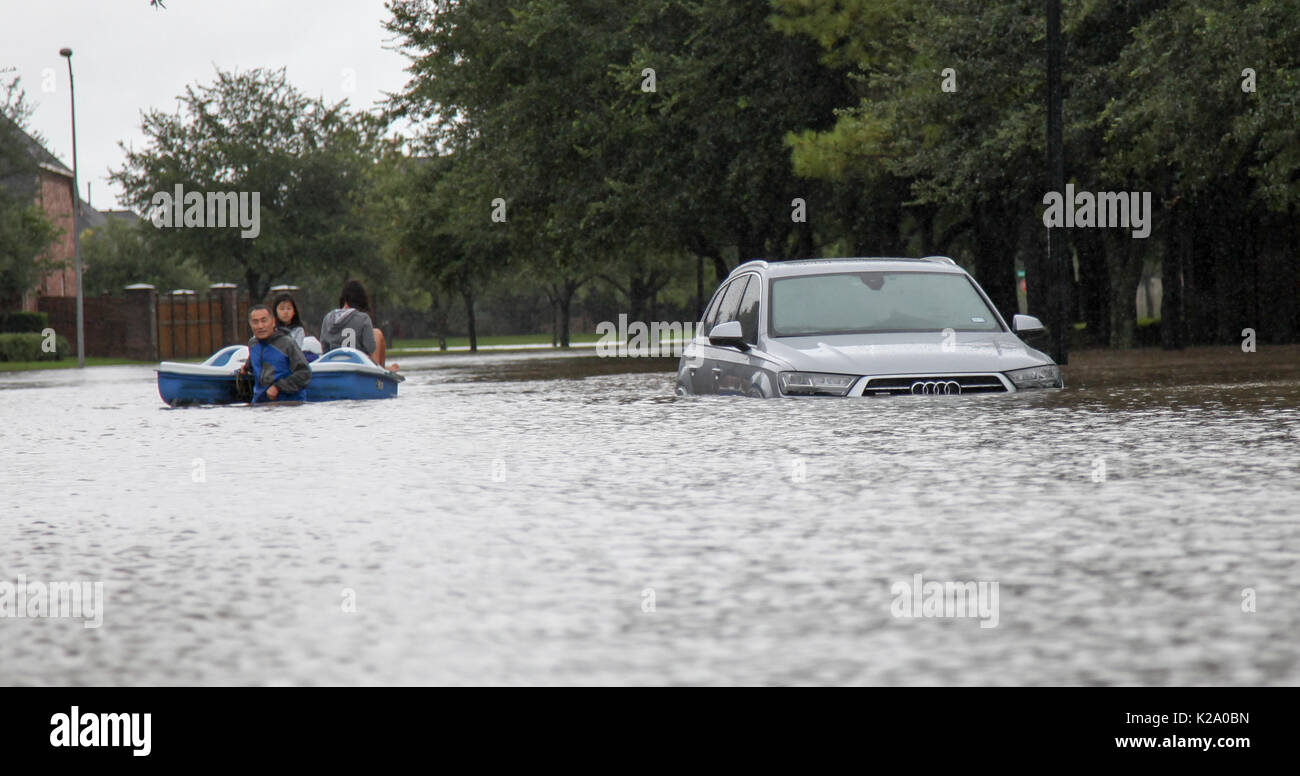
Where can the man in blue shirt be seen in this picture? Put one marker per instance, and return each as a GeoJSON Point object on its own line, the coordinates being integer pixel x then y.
{"type": "Point", "coordinates": [279, 369]}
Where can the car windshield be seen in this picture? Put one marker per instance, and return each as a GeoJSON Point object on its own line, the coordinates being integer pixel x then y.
{"type": "Point", "coordinates": [864, 302]}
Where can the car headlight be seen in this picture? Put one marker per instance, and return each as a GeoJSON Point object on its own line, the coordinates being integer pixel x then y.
{"type": "Point", "coordinates": [815, 384]}
{"type": "Point", "coordinates": [1047, 376]}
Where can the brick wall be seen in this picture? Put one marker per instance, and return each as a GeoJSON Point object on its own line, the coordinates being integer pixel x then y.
{"type": "Point", "coordinates": [54, 196]}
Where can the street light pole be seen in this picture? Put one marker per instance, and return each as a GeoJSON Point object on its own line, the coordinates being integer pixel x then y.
{"type": "Point", "coordinates": [66, 53]}
{"type": "Point", "coordinates": [1059, 272]}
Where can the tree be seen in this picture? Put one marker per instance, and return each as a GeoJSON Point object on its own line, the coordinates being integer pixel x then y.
{"type": "Point", "coordinates": [25, 233]}
{"type": "Point", "coordinates": [511, 186]}
{"type": "Point", "coordinates": [1154, 102]}
{"type": "Point", "coordinates": [972, 158]}
{"type": "Point", "coordinates": [1218, 145]}
{"type": "Point", "coordinates": [253, 132]}
{"type": "Point", "coordinates": [624, 138]}
{"type": "Point", "coordinates": [120, 253]}
{"type": "Point", "coordinates": [701, 165]}
{"type": "Point", "coordinates": [435, 237]}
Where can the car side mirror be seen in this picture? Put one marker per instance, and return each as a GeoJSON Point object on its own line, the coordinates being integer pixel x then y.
{"type": "Point", "coordinates": [1027, 324]}
{"type": "Point", "coordinates": [728, 335]}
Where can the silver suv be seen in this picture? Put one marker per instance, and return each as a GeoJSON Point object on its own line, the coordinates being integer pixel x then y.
{"type": "Point", "coordinates": [859, 327]}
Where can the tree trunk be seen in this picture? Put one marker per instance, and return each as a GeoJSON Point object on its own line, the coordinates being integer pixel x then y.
{"type": "Point", "coordinates": [720, 267]}
{"type": "Point", "coordinates": [641, 293]}
{"type": "Point", "coordinates": [805, 244]}
{"type": "Point", "coordinates": [635, 299]}
{"type": "Point", "coordinates": [467, 293]}
{"type": "Point", "coordinates": [1227, 251]}
{"type": "Point", "coordinates": [1198, 279]}
{"type": "Point", "coordinates": [552, 297]}
{"type": "Point", "coordinates": [1124, 258]}
{"type": "Point", "coordinates": [1094, 285]}
{"type": "Point", "coordinates": [1276, 278]}
{"type": "Point", "coordinates": [926, 225]}
{"type": "Point", "coordinates": [995, 266]}
{"type": "Point", "coordinates": [1172, 335]}
{"type": "Point", "coordinates": [440, 320]}
{"type": "Point", "coordinates": [699, 287]}
{"type": "Point", "coordinates": [1034, 249]}
{"type": "Point", "coordinates": [1284, 280]}
{"type": "Point", "coordinates": [555, 323]}
{"type": "Point", "coordinates": [566, 300]}
{"type": "Point", "coordinates": [1294, 284]}
{"type": "Point", "coordinates": [257, 289]}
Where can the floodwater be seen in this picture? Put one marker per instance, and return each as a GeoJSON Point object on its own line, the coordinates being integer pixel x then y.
{"type": "Point", "coordinates": [528, 519]}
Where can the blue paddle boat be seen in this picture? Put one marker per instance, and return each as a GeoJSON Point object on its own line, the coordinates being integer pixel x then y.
{"type": "Point", "coordinates": [342, 373]}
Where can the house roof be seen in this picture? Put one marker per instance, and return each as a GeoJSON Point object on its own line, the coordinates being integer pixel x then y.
{"type": "Point", "coordinates": [90, 217]}
{"type": "Point", "coordinates": [44, 160]}
{"type": "Point", "coordinates": [38, 153]}
{"type": "Point", "coordinates": [122, 215]}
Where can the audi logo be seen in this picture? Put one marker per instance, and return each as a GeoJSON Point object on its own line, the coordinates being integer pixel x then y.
{"type": "Point", "coordinates": [935, 387]}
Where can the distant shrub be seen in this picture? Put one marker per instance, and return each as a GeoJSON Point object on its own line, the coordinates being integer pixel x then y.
{"type": "Point", "coordinates": [27, 347]}
{"type": "Point", "coordinates": [23, 322]}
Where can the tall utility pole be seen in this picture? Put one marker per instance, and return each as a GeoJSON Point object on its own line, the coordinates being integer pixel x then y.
{"type": "Point", "coordinates": [66, 53]}
{"type": "Point", "coordinates": [1059, 274]}
{"type": "Point", "coordinates": [699, 288]}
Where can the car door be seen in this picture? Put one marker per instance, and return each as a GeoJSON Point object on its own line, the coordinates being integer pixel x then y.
{"type": "Point", "coordinates": [708, 371]}
{"type": "Point", "coordinates": [739, 369]}
{"type": "Point", "coordinates": [692, 371]}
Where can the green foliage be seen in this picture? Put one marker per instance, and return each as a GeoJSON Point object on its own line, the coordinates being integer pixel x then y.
{"type": "Point", "coordinates": [27, 347]}
{"type": "Point", "coordinates": [547, 104]}
{"type": "Point", "coordinates": [1153, 102]}
{"type": "Point", "coordinates": [120, 253]}
{"type": "Point", "coordinates": [25, 232]}
{"type": "Point", "coordinates": [15, 107]}
{"type": "Point", "coordinates": [1209, 43]}
{"type": "Point", "coordinates": [253, 132]}
{"type": "Point", "coordinates": [23, 322]}
{"type": "Point", "coordinates": [612, 190]}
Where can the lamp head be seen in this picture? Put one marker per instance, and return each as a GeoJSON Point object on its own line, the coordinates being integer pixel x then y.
{"type": "Point", "coordinates": [65, 52]}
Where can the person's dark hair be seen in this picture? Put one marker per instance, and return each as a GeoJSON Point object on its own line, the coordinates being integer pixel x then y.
{"type": "Point", "coordinates": [257, 307]}
{"type": "Point", "coordinates": [297, 317]}
{"type": "Point", "coordinates": [354, 295]}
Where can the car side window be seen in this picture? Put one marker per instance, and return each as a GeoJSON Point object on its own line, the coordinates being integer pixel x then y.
{"type": "Point", "coordinates": [711, 315]}
{"type": "Point", "coordinates": [748, 313]}
{"type": "Point", "coordinates": [730, 306]}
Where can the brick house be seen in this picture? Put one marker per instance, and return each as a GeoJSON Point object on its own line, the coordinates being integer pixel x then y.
{"type": "Point", "coordinates": [51, 188]}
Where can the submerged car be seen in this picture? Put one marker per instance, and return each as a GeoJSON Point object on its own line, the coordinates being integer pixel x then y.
{"type": "Point", "coordinates": [859, 327]}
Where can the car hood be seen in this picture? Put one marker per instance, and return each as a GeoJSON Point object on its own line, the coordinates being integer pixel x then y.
{"type": "Point", "coordinates": [906, 353]}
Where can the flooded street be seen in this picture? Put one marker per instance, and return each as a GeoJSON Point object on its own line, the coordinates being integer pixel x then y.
{"type": "Point", "coordinates": [533, 519]}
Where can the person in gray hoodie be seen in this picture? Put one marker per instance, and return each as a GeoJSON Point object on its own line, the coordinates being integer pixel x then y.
{"type": "Point", "coordinates": [350, 326]}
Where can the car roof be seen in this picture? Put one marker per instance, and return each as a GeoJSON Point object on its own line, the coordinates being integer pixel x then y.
{"type": "Point", "coordinates": [861, 264]}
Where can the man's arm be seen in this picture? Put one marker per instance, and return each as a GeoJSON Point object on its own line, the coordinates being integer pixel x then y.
{"type": "Point", "coordinates": [301, 374]}
{"type": "Point", "coordinates": [248, 362]}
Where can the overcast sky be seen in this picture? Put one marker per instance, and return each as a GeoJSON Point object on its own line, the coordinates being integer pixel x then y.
{"type": "Point", "coordinates": [129, 57]}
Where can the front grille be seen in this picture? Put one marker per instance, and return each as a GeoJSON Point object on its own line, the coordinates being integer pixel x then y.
{"type": "Point", "coordinates": [893, 386]}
